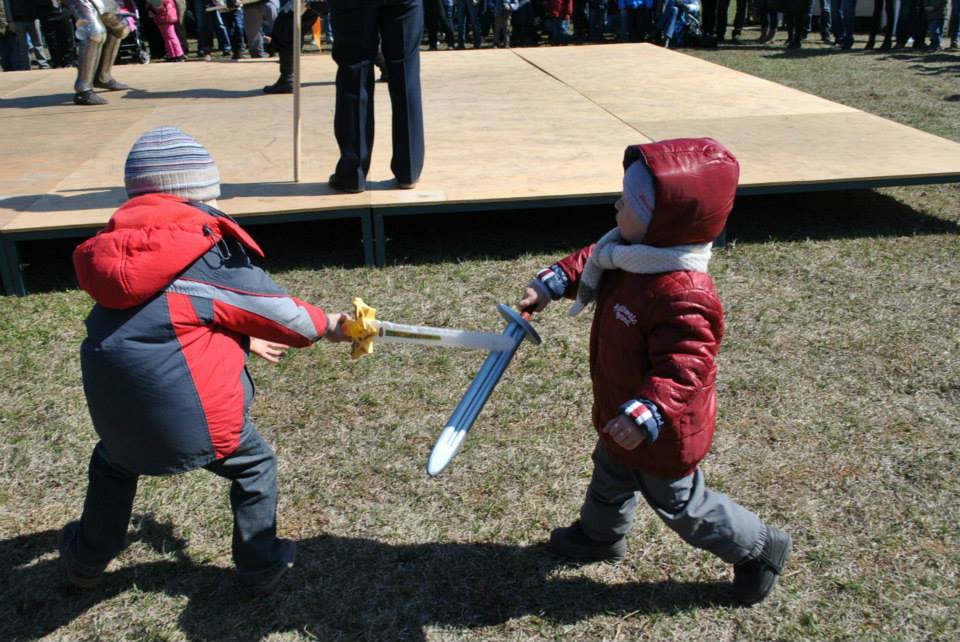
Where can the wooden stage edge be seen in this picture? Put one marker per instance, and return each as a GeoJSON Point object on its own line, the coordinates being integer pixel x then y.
{"type": "Point", "coordinates": [541, 127]}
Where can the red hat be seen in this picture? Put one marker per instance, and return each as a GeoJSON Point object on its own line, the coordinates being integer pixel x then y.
{"type": "Point", "coordinates": [696, 180]}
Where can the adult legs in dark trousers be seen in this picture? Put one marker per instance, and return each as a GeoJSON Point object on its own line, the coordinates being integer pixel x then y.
{"type": "Point", "coordinates": [436, 19]}
{"type": "Point", "coordinates": [878, 8]}
{"type": "Point", "coordinates": [282, 43]}
{"type": "Point", "coordinates": [739, 17]}
{"type": "Point", "coordinates": [709, 15]}
{"type": "Point", "coordinates": [396, 28]}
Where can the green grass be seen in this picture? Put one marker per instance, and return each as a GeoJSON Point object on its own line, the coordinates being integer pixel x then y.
{"type": "Point", "coordinates": [839, 420]}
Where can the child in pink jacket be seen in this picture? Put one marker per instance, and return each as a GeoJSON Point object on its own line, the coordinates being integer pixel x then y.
{"type": "Point", "coordinates": [164, 13]}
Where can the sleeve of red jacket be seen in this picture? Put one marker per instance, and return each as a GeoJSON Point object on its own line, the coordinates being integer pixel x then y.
{"type": "Point", "coordinates": [572, 265]}
{"type": "Point", "coordinates": [246, 300]}
{"type": "Point", "coordinates": [682, 347]}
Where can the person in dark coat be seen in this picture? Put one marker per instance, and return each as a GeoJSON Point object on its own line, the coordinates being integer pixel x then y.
{"type": "Point", "coordinates": [436, 20]}
{"type": "Point", "coordinates": [653, 345]}
{"type": "Point", "coordinates": [178, 309]}
{"type": "Point", "coordinates": [795, 17]}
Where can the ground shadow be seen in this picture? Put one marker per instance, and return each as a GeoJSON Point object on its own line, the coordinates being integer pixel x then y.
{"type": "Point", "coordinates": [933, 65]}
{"type": "Point", "coordinates": [755, 219]}
{"type": "Point", "coordinates": [806, 52]}
{"type": "Point", "coordinates": [33, 102]}
{"type": "Point", "coordinates": [196, 93]}
{"type": "Point", "coordinates": [113, 196]}
{"type": "Point", "coordinates": [210, 92]}
{"type": "Point", "coordinates": [342, 588]}
{"type": "Point", "coordinates": [828, 216]}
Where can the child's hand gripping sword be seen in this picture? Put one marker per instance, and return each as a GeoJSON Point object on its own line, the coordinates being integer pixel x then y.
{"type": "Point", "coordinates": [466, 412]}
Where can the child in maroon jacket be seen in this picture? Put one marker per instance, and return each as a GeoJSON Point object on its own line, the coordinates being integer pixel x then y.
{"type": "Point", "coordinates": [655, 337]}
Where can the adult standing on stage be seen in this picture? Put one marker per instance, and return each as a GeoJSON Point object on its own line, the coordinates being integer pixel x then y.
{"type": "Point", "coordinates": [362, 27]}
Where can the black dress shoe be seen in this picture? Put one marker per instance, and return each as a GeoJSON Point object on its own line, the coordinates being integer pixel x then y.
{"type": "Point", "coordinates": [336, 184]}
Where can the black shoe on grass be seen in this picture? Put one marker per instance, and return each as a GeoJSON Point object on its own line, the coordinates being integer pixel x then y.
{"type": "Point", "coordinates": [754, 579]}
{"type": "Point", "coordinates": [573, 543]}
{"type": "Point", "coordinates": [80, 578]}
{"type": "Point", "coordinates": [268, 585]}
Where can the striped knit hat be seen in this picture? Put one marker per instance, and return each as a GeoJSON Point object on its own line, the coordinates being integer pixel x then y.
{"type": "Point", "coordinates": [167, 160]}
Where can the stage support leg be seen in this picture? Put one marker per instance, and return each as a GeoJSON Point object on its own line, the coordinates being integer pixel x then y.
{"type": "Point", "coordinates": [380, 238]}
{"type": "Point", "coordinates": [13, 282]}
{"type": "Point", "coordinates": [366, 224]}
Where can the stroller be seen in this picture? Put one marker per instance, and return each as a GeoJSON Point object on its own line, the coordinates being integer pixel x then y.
{"type": "Point", "coordinates": [680, 23]}
{"type": "Point", "coordinates": [132, 49]}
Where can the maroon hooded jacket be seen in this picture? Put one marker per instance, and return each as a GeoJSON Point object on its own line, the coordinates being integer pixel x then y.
{"type": "Point", "coordinates": [656, 336]}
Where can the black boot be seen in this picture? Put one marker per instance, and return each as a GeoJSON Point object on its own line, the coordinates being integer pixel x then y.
{"type": "Point", "coordinates": [284, 84]}
{"type": "Point", "coordinates": [754, 578]}
{"type": "Point", "coordinates": [573, 543]}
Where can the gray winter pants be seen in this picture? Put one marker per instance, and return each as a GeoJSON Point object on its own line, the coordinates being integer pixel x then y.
{"type": "Point", "coordinates": [703, 518]}
{"type": "Point", "coordinates": [252, 469]}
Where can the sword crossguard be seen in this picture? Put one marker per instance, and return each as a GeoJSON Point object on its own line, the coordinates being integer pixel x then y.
{"type": "Point", "coordinates": [362, 329]}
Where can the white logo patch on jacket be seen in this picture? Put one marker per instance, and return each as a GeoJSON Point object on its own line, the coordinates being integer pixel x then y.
{"type": "Point", "coordinates": [624, 314]}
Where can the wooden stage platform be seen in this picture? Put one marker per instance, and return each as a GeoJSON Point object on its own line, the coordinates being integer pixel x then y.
{"type": "Point", "coordinates": [505, 129]}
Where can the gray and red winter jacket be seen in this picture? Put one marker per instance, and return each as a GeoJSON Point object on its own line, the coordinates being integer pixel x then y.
{"type": "Point", "coordinates": [164, 361]}
{"type": "Point", "coordinates": [655, 337]}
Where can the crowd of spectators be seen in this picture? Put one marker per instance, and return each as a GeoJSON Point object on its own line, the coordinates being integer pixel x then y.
{"type": "Point", "coordinates": [39, 33]}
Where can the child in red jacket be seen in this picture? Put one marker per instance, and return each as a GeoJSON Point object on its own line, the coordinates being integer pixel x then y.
{"type": "Point", "coordinates": [178, 308]}
{"type": "Point", "coordinates": [656, 332]}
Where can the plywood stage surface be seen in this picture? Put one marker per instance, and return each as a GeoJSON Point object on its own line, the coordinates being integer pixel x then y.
{"type": "Point", "coordinates": [504, 128]}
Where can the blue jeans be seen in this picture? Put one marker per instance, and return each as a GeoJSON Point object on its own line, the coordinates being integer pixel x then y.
{"type": "Point", "coordinates": [935, 32]}
{"type": "Point", "coordinates": [233, 23]}
{"type": "Point", "coordinates": [252, 470]}
{"type": "Point", "coordinates": [844, 14]}
{"type": "Point", "coordinates": [824, 17]}
{"type": "Point", "coordinates": [558, 31]}
{"type": "Point", "coordinates": [465, 9]}
{"type": "Point", "coordinates": [209, 23]}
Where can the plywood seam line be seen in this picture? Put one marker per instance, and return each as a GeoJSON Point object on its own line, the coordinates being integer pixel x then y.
{"type": "Point", "coordinates": [579, 93]}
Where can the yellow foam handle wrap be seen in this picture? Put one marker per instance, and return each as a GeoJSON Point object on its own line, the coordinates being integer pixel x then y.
{"type": "Point", "coordinates": [361, 329]}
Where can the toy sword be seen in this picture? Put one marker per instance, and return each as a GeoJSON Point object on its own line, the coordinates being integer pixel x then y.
{"type": "Point", "coordinates": [449, 442]}
{"type": "Point", "coordinates": [364, 329]}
